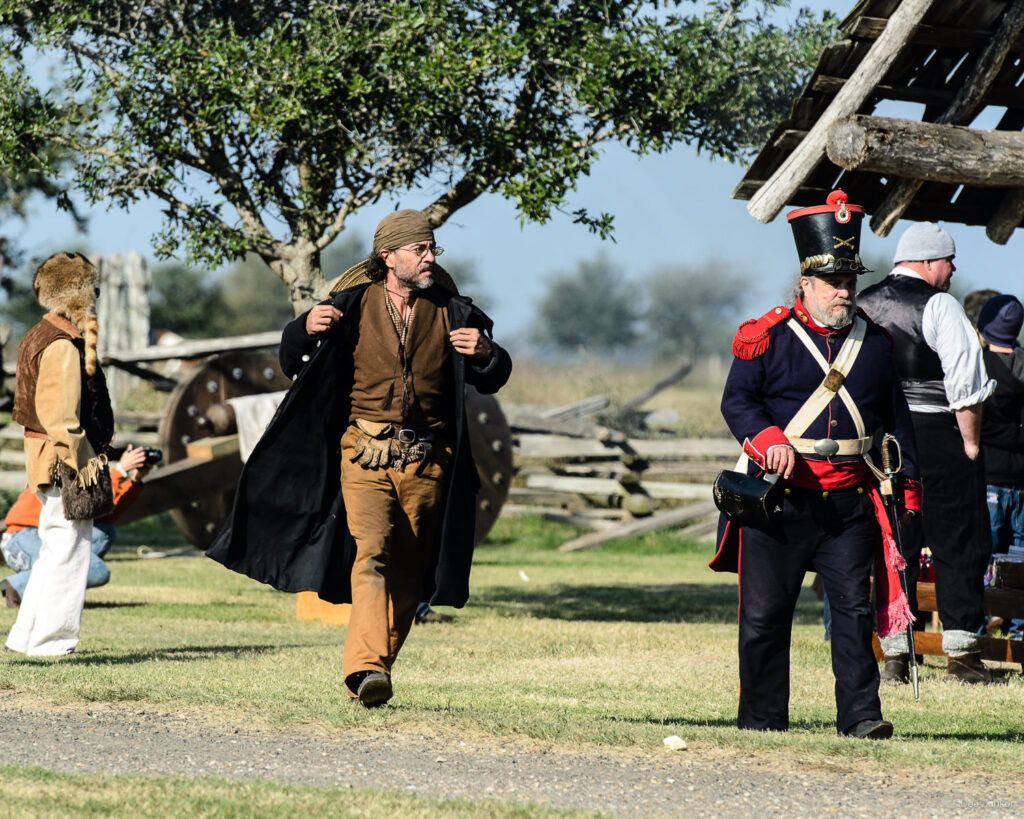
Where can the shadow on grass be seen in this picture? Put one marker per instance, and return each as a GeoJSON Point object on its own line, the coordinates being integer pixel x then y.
{"type": "Point", "coordinates": [111, 605]}
{"type": "Point", "coordinates": [182, 654]}
{"type": "Point", "coordinates": [676, 603]}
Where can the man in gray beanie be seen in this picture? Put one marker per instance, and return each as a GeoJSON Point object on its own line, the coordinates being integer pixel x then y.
{"type": "Point", "coordinates": [939, 360]}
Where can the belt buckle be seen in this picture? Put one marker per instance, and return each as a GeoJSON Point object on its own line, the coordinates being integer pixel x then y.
{"type": "Point", "coordinates": [406, 436]}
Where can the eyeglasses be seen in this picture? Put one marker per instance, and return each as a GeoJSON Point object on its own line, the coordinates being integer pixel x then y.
{"type": "Point", "coordinates": [423, 249]}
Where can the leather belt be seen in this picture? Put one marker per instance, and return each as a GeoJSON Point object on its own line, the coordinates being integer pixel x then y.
{"type": "Point", "coordinates": [412, 436]}
{"type": "Point", "coordinates": [848, 446]}
{"type": "Point", "coordinates": [42, 436]}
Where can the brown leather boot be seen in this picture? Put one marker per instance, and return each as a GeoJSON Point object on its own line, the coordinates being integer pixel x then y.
{"type": "Point", "coordinates": [968, 668]}
{"type": "Point", "coordinates": [897, 669]}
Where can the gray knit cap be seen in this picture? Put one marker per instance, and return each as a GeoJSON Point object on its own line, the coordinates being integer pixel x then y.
{"type": "Point", "coordinates": [922, 242]}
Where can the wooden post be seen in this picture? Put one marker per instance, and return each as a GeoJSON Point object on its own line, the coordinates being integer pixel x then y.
{"type": "Point", "coordinates": [1007, 217]}
{"type": "Point", "coordinates": [960, 111]}
{"type": "Point", "coordinates": [122, 310]}
{"type": "Point", "coordinates": [786, 181]}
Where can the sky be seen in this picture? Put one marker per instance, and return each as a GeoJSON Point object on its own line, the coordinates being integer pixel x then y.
{"type": "Point", "coordinates": [670, 209]}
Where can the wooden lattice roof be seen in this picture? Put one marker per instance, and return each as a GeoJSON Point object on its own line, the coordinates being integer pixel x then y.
{"type": "Point", "coordinates": [939, 62]}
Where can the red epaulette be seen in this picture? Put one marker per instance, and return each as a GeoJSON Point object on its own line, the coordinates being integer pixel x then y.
{"type": "Point", "coordinates": [751, 338]}
{"type": "Point", "coordinates": [875, 324]}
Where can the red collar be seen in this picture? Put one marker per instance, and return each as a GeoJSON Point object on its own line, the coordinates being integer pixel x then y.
{"type": "Point", "coordinates": [808, 321]}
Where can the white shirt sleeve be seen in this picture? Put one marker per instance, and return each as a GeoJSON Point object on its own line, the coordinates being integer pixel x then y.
{"type": "Point", "coordinates": [949, 332]}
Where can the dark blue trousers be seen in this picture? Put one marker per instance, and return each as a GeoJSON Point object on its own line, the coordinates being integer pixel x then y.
{"type": "Point", "coordinates": [834, 536]}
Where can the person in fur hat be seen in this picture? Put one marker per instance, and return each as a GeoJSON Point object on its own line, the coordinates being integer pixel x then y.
{"type": "Point", "coordinates": [61, 400]}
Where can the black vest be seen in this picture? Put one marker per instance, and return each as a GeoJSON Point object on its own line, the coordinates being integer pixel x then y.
{"type": "Point", "coordinates": [1002, 424]}
{"type": "Point", "coordinates": [897, 303]}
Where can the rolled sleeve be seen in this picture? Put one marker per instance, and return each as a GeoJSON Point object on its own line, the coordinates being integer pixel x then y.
{"type": "Point", "coordinates": [950, 334]}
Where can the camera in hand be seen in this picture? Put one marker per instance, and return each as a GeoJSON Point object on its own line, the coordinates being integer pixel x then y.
{"type": "Point", "coordinates": [153, 455]}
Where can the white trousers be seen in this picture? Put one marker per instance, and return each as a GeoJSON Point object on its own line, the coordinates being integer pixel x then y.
{"type": "Point", "coordinates": [51, 607]}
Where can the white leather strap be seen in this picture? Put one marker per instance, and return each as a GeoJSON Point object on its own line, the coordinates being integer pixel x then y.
{"type": "Point", "coordinates": [827, 390]}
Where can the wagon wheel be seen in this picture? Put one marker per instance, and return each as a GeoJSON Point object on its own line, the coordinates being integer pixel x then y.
{"type": "Point", "coordinates": [229, 375]}
{"type": "Point", "coordinates": [490, 440]}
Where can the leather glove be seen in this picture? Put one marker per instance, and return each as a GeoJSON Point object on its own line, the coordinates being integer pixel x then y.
{"type": "Point", "coordinates": [371, 453]}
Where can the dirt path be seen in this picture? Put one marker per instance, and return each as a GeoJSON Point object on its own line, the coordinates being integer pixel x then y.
{"type": "Point", "coordinates": [619, 784]}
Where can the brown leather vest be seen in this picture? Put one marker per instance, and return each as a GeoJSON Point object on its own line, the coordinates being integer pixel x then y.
{"type": "Point", "coordinates": [377, 367]}
{"type": "Point", "coordinates": [97, 418]}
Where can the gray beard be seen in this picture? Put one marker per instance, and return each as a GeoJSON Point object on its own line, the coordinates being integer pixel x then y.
{"type": "Point", "coordinates": [415, 282]}
{"type": "Point", "coordinates": [838, 321]}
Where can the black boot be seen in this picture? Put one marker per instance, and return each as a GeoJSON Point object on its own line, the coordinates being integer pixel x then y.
{"type": "Point", "coordinates": [897, 669]}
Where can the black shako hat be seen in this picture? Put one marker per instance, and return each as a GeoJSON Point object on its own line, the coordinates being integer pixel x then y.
{"type": "Point", "coordinates": [828, 236]}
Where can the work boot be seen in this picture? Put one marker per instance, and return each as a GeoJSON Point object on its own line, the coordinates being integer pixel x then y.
{"type": "Point", "coordinates": [871, 729]}
{"type": "Point", "coordinates": [897, 669]}
{"type": "Point", "coordinates": [375, 689]}
{"type": "Point", "coordinates": [426, 615]}
{"type": "Point", "coordinates": [967, 668]}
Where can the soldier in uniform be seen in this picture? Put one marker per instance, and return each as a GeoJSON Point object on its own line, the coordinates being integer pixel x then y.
{"type": "Point", "coordinates": [808, 389]}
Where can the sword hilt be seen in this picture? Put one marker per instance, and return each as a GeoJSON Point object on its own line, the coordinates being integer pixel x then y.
{"type": "Point", "coordinates": [888, 442]}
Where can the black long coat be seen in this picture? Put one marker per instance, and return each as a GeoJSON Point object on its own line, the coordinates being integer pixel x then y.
{"type": "Point", "coordinates": [288, 526]}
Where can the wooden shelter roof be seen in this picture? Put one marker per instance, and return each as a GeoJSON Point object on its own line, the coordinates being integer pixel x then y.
{"type": "Point", "coordinates": [944, 44]}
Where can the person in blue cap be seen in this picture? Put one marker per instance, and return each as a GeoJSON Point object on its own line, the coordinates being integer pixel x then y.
{"type": "Point", "coordinates": [1002, 439]}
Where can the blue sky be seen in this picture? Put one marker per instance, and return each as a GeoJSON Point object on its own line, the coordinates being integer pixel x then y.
{"type": "Point", "coordinates": [670, 209]}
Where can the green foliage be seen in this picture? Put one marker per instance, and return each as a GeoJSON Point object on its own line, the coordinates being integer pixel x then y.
{"type": "Point", "coordinates": [592, 309]}
{"type": "Point", "coordinates": [692, 311]}
{"type": "Point", "coordinates": [262, 126]}
{"type": "Point", "coordinates": [185, 301]}
{"type": "Point", "coordinates": [20, 308]}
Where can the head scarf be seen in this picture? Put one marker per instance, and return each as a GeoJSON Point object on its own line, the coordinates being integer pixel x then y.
{"type": "Point", "coordinates": [400, 228]}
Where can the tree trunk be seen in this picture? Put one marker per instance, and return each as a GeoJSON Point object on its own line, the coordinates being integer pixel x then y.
{"type": "Point", "coordinates": [298, 266]}
{"type": "Point", "coordinates": [925, 151]}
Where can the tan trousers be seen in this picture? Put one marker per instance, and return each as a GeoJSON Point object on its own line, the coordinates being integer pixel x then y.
{"type": "Point", "coordinates": [393, 516]}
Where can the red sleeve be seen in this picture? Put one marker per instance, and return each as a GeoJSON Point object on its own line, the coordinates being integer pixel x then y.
{"type": "Point", "coordinates": [757, 447]}
{"type": "Point", "coordinates": [912, 495]}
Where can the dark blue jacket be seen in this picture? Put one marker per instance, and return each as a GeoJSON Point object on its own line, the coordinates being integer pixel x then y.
{"type": "Point", "coordinates": [763, 393]}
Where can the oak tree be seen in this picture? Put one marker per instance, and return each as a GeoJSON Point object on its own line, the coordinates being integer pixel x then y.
{"type": "Point", "coordinates": [263, 125]}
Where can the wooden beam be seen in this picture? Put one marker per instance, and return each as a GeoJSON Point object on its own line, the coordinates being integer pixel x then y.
{"type": "Point", "coordinates": [1007, 217]}
{"type": "Point", "coordinates": [1010, 96]}
{"type": "Point", "coordinates": [928, 152]}
{"type": "Point", "coordinates": [199, 348]}
{"type": "Point", "coordinates": [791, 174]}
{"type": "Point", "coordinates": [871, 28]}
{"type": "Point", "coordinates": [960, 111]}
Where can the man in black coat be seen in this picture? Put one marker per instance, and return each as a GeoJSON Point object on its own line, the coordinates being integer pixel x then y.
{"type": "Point", "coordinates": [363, 486]}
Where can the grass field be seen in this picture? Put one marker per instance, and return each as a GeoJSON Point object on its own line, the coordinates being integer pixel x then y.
{"type": "Point", "coordinates": [611, 649]}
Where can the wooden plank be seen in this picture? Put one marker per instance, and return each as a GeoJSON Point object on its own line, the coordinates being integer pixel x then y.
{"type": "Point", "coordinates": [791, 174]}
{"type": "Point", "coordinates": [871, 28]}
{"type": "Point", "coordinates": [12, 481]}
{"type": "Point", "coordinates": [207, 449]}
{"type": "Point", "coordinates": [199, 348]}
{"type": "Point", "coordinates": [529, 445]}
{"type": "Point", "coordinates": [659, 520]}
{"type": "Point", "coordinates": [961, 111]}
{"type": "Point", "coordinates": [607, 487]}
{"type": "Point", "coordinates": [1005, 603]}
